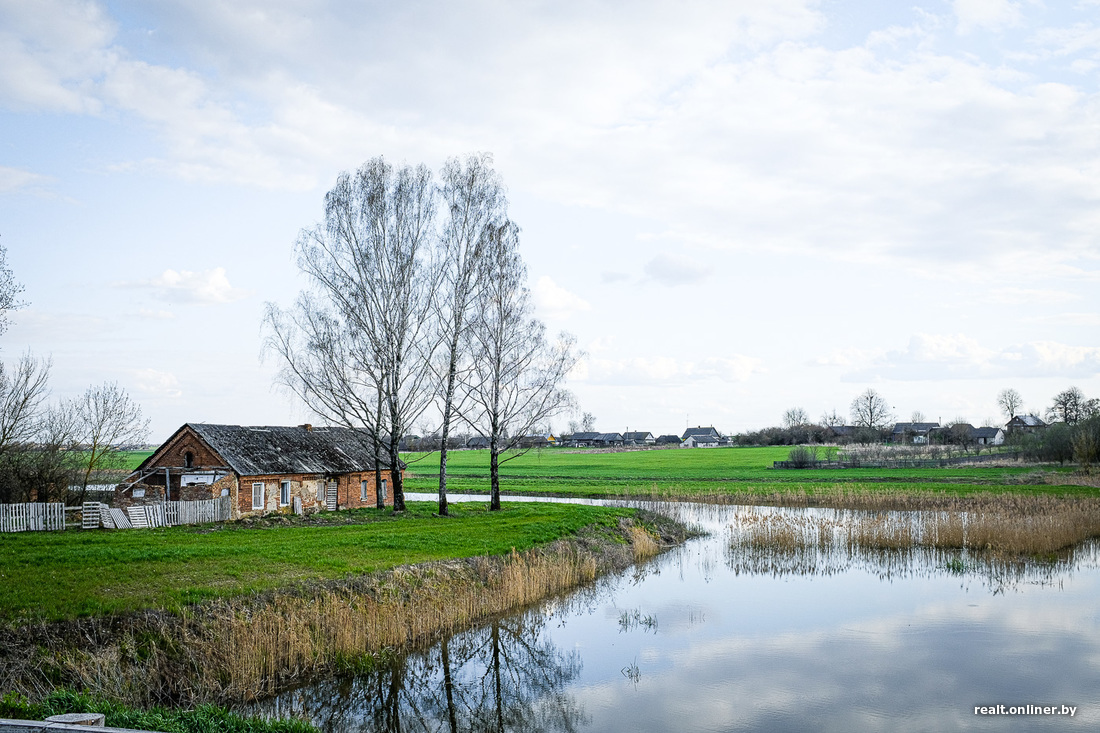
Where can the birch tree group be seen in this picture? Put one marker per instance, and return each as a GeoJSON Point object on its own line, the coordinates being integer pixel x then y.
{"type": "Point", "coordinates": [418, 305]}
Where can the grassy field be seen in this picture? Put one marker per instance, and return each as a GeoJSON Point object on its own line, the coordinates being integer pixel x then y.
{"type": "Point", "coordinates": [54, 575]}
{"type": "Point", "coordinates": [698, 473]}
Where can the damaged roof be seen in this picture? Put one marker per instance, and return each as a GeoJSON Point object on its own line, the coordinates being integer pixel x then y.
{"type": "Point", "coordinates": [254, 451]}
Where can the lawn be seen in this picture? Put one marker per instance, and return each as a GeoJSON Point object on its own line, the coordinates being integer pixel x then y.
{"type": "Point", "coordinates": [55, 575]}
{"type": "Point", "coordinates": [695, 473]}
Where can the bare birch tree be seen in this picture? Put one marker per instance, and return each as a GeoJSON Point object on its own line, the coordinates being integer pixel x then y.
{"type": "Point", "coordinates": [106, 421]}
{"type": "Point", "coordinates": [474, 208]}
{"type": "Point", "coordinates": [516, 376]}
{"type": "Point", "coordinates": [359, 345]}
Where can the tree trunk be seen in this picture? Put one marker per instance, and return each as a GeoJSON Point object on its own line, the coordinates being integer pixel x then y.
{"type": "Point", "coordinates": [494, 477]}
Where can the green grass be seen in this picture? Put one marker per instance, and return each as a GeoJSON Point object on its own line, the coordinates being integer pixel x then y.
{"type": "Point", "coordinates": [696, 473]}
{"type": "Point", "coordinates": [56, 575]}
{"type": "Point", "coordinates": [203, 719]}
{"type": "Point", "coordinates": [133, 458]}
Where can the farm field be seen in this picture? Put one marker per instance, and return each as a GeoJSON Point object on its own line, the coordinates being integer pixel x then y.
{"type": "Point", "coordinates": [699, 473]}
{"type": "Point", "coordinates": [58, 575]}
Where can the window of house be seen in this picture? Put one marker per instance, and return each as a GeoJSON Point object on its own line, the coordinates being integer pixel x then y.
{"type": "Point", "coordinates": [258, 495]}
{"type": "Point", "coordinates": [320, 491]}
{"type": "Point", "coordinates": [284, 493]}
{"type": "Point", "coordinates": [363, 489]}
{"type": "Point", "coordinates": [188, 459]}
{"type": "Point", "coordinates": [382, 490]}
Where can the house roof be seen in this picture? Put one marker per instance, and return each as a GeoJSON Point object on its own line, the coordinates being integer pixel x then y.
{"type": "Point", "coordinates": [1031, 421]}
{"type": "Point", "coordinates": [609, 437]}
{"type": "Point", "coordinates": [985, 432]}
{"type": "Point", "coordinates": [266, 450]}
{"type": "Point", "coordinates": [586, 436]}
{"type": "Point", "coordinates": [711, 432]}
{"type": "Point", "coordinates": [663, 439]}
{"type": "Point", "coordinates": [842, 429]}
{"type": "Point", "coordinates": [915, 427]}
{"type": "Point", "coordinates": [637, 436]}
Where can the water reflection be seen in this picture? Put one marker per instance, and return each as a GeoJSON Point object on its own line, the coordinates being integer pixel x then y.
{"type": "Point", "coordinates": [504, 676]}
{"type": "Point", "coordinates": [717, 636]}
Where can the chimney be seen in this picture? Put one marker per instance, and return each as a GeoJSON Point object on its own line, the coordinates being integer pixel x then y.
{"type": "Point", "coordinates": [307, 427]}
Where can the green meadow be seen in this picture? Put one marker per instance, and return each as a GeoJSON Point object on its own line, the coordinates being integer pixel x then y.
{"type": "Point", "coordinates": [56, 575]}
{"type": "Point", "coordinates": [697, 473]}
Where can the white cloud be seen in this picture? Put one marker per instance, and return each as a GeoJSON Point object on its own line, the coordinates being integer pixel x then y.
{"type": "Point", "coordinates": [664, 370]}
{"type": "Point", "coordinates": [987, 14]}
{"type": "Point", "coordinates": [156, 383]}
{"type": "Point", "coordinates": [555, 301]}
{"type": "Point", "coordinates": [936, 357]}
{"type": "Point", "coordinates": [14, 179]}
{"type": "Point", "coordinates": [676, 269]}
{"type": "Point", "coordinates": [207, 287]}
{"type": "Point", "coordinates": [156, 315]}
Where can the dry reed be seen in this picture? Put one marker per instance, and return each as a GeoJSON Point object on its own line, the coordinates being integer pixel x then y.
{"type": "Point", "coordinates": [1006, 524]}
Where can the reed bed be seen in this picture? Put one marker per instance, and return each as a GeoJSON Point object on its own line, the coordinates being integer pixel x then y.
{"type": "Point", "coordinates": [1008, 525]}
{"type": "Point", "coordinates": [236, 650]}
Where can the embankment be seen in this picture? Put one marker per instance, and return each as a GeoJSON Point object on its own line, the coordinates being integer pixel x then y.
{"type": "Point", "coordinates": [232, 650]}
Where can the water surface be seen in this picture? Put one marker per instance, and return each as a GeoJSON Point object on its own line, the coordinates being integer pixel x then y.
{"type": "Point", "coordinates": [710, 637]}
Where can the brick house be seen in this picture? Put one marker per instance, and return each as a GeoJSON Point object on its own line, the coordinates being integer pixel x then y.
{"type": "Point", "coordinates": [263, 469]}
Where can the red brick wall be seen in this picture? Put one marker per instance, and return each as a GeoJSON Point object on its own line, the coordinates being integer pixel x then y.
{"type": "Point", "coordinates": [348, 492]}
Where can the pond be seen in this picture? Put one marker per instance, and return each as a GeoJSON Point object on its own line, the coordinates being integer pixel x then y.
{"type": "Point", "coordinates": [717, 636]}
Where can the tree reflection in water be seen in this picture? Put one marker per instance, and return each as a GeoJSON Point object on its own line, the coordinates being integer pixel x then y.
{"type": "Point", "coordinates": [504, 676]}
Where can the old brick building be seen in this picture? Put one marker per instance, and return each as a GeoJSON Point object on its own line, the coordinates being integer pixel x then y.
{"type": "Point", "coordinates": [263, 469]}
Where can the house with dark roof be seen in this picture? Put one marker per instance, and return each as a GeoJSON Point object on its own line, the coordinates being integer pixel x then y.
{"type": "Point", "coordinates": [709, 432]}
{"type": "Point", "coordinates": [668, 440]}
{"type": "Point", "coordinates": [608, 440]}
{"type": "Point", "coordinates": [988, 436]}
{"type": "Point", "coordinates": [639, 438]}
{"type": "Point", "coordinates": [913, 432]}
{"type": "Point", "coordinates": [584, 439]}
{"type": "Point", "coordinates": [1025, 424]}
{"type": "Point", "coordinates": [263, 469]}
{"type": "Point", "coordinates": [702, 440]}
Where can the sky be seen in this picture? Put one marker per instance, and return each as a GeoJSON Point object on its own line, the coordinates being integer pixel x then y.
{"type": "Point", "coordinates": [737, 207]}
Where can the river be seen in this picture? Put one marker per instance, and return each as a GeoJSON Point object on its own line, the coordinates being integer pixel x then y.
{"type": "Point", "coordinates": [708, 637]}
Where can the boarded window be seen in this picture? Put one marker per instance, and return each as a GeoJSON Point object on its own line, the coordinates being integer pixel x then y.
{"type": "Point", "coordinates": [258, 495]}
{"type": "Point", "coordinates": [284, 493]}
{"type": "Point", "coordinates": [364, 488]}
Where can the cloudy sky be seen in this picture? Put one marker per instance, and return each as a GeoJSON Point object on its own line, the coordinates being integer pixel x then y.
{"type": "Point", "coordinates": [737, 207]}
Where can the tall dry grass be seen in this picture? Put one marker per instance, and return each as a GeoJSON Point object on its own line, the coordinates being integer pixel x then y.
{"type": "Point", "coordinates": [1005, 524]}
{"type": "Point", "coordinates": [236, 650]}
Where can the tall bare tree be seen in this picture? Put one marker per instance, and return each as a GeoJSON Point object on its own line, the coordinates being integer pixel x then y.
{"type": "Point", "coordinates": [517, 375]}
{"type": "Point", "coordinates": [795, 417]}
{"type": "Point", "coordinates": [870, 410]}
{"type": "Point", "coordinates": [106, 421]}
{"type": "Point", "coordinates": [23, 392]}
{"type": "Point", "coordinates": [358, 346]}
{"type": "Point", "coordinates": [1010, 402]}
{"type": "Point", "coordinates": [474, 209]}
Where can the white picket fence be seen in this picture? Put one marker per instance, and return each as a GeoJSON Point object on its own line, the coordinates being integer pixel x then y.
{"type": "Point", "coordinates": [36, 517]}
{"type": "Point", "coordinates": [32, 517]}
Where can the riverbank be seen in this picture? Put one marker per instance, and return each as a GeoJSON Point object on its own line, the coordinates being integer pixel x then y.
{"type": "Point", "coordinates": [240, 646]}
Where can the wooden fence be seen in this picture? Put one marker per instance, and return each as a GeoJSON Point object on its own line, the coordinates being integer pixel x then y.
{"type": "Point", "coordinates": [32, 517]}
{"type": "Point", "coordinates": [37, 517]}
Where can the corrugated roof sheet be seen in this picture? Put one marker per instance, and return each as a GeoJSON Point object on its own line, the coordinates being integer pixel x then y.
{"type": "Point", "coordinates": [253, 451]}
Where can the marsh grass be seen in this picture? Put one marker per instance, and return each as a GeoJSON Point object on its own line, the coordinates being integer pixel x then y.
{"type": "Point", "coordinates": [1006, 525]}
{"type": "Point", "coordinates": [232, 650]}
